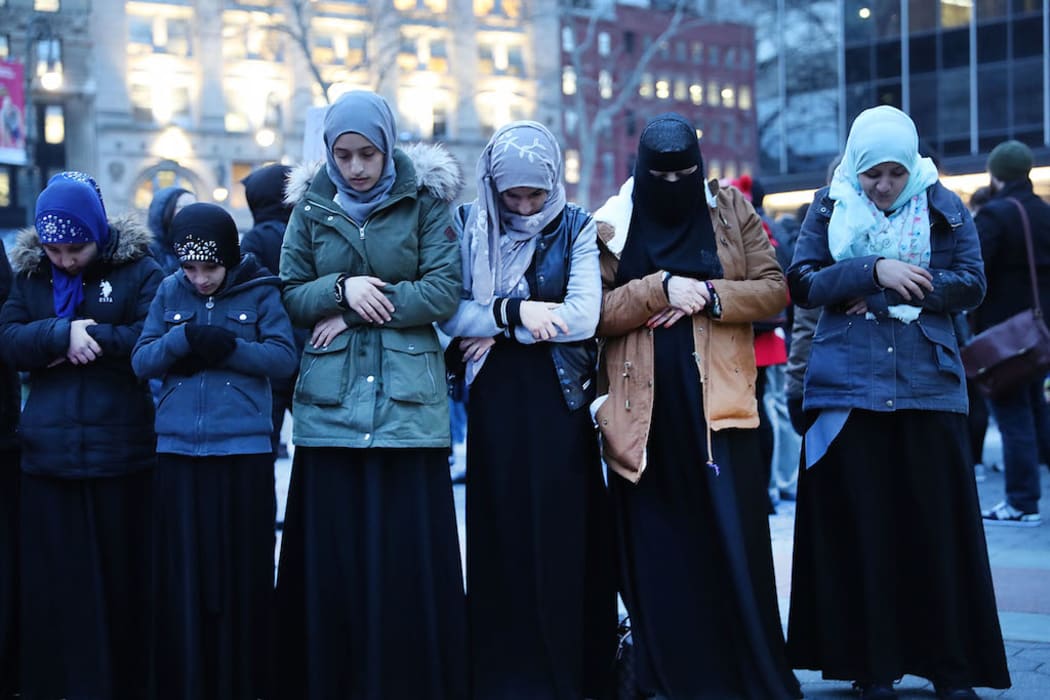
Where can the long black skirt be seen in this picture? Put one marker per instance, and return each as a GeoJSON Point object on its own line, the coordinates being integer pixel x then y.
{"type": "Point", "coordinates": [212, 576]}
{"type": "Point", "coordinates": [85, 587]}
{"type": "Point", "coordinates": [696, 563]}
{"type": "Point", "coordinates": [541, 594]}
{"type": "Point", "coordinates": [9, 473]}
{"type": "Point", "coordinates": [370, 598]}
{"type": "Point", "coordinates": [890, 571]}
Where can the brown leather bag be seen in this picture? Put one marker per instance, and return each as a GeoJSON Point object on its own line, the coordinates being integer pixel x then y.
{"type": "Point", "coordinates": [1017, 351]}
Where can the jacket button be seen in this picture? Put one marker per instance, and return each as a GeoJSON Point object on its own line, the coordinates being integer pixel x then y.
{"type": "Point", "coordinates": [411, 347]}
{"type": "Point", "coordinates": [330, 217]}
{"type": "Point", "coordinates": [368, 436]}
{"type": "Point", "coordinates": [540, 278]}
{"type": "Point", "coordinates": [889, 349]}
{"type": "Point", "coordinates": [889, 402]}
{"type": "Point", "coordinates": [306, 208]}
{"type": "Point", "coordinates": [243, 317]}
{"type": "Point", "coordinates": [370, 379]}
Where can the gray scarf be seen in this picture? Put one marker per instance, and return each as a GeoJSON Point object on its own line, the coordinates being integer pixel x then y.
{"type": "Point", "coordinates": [498, 244]}
{"type": "Point", "coordinates": [368, 114]}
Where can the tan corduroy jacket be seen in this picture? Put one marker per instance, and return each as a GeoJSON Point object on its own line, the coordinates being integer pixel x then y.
{"type": "Point", "coordinates": [753, 289]}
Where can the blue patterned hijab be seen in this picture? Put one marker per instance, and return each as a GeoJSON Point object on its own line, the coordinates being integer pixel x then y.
{"type": "Point", "coordinates": [70, 210]}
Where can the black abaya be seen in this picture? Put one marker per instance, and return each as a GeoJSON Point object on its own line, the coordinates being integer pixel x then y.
{"type": "Point", "coordinates": [9, 484]}
{"type": "Point", "coordinates": [213, 576]}
{"type": "Point", "coordinates": [540, 584]}
{"type": "Point", "coordinates": [370, 601]}
{"type": "Point", "coordinates": [696, 563]}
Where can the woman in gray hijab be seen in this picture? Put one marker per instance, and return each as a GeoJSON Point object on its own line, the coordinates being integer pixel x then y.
{"type": "Point", "coordinates": [370, 590]}
{"type": "Point", "coordinates": [541, 600]}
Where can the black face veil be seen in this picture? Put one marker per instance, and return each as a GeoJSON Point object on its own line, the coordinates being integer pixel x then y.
{"type": "Point", "coordinates": [670, 223]}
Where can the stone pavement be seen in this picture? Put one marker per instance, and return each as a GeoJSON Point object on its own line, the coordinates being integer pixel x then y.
{"type": "Point", "coordinates": [1020, 559]}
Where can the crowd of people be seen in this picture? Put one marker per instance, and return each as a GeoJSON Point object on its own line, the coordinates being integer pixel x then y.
{"type": "Point", "coordinates": [643, 383]}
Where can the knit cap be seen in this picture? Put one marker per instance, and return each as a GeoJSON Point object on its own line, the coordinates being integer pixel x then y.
{"type": "Point", "coordinates": [1009, 161]}
{"type": "Point", "coordinates": [204, 232]}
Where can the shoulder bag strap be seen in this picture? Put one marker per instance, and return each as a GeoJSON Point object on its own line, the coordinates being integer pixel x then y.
{"type": "Point", "coordinates": [1031, 256]}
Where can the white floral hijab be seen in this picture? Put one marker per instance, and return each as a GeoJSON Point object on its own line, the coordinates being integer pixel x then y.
{"type": "Point", "coordinates": [499, 244]}
{"type": "Point", "coordinates": [858, 227]}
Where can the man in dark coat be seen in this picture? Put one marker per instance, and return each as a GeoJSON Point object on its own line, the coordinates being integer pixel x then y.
{"type": "Point", "coordinates": [264, 189]}
{"type": "Point", "coordinates": [1022, 416]}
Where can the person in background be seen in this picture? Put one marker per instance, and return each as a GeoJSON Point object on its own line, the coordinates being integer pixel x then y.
{"type": "Point", "coordinates": [82, 289]}
{"type": "Point", "coordinates": [541, 597]}
{"type": "Point", "coordinates": [686, 269]}
{"type": "Point", "coordinates": [890, 570]}
{"type": "Point", "coordinates": [965, 327]}
{"type": "Point", "coordinates": [10, 408]}
{"type": "Point", "coordinates": [264, 190]}
{"type": "Point", "coordinates": [370, 597]}
{"type": "Point", "coordinates": [1022, 415]}
{"type": "Point", "coordinates": [166, 203]}
{"type": "Point", "coordinates": [215, 335]}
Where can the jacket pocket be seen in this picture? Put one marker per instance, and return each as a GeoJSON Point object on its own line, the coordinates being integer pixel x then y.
{"type": "Point", "coordinates": [323, 373]}
{"type": "Point", "coordinates": [242, 322]}
{"type": "Point", "coordinates": [412, 365]}
{"type": "Point", "coordinates": [174, 317]}
{"type": "Point", "coordinates": [936, 364]}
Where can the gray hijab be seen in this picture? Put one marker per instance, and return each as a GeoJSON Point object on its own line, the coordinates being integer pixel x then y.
{"type": "Point", "coordinates": [499, 243]}
{"type": "Point", "coordinates": [368, 114]}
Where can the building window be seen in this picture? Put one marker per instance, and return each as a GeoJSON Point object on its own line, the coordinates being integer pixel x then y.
{"type": "Point", "coordinates": [663, 88]}
{"type": "Point", "coordinates": [645, 87]}
{"type": "Point", "coordinates": [681, 90]}
{"type": "Point", "coordinates": [712, 93]}
{"type": "Point", "coordinates": [744, 97]}
{"type": "Point", "coordinates": [745, 59]}
{"type": "Point", "coordinates": [608, 171]}
{"type": "Point", "coordinates": [568, 41]}
{"type": "Point", "coordinates": [572, 166]}
{"type": "Point", "coordinates": [604, 44]}
{"type": "Point", "coordinates": [605, 84]}
{"type": "Point", "coordinates": [712, 55]}
{"type": "Point", "coordinates": [440, 128]}
{"type": "Point", "coordinates": [571, 121]}
{"type": "Point", "coordinates": [696, 93]}
{"type": "Point", "coordinates": [5, 48]}
{"type": "Point", "coordinates": [568, 80]}
{"type": "Point", "coordinates": [628, 42]}
{"type": "Point", "coordinates": [697, 50]}
{"type": "Point", "coordinates": [54, 124]}
{"type": "Point", "coordinates": [5, 180]}
{"type": "Point", "coordinates": [47, 5]}
{"type": "Point", "coordinates": [955, 13]}
{"type": "Point", "coordinates": [729, 58]}
{"type": "Point", "coordinates": [681, 51]}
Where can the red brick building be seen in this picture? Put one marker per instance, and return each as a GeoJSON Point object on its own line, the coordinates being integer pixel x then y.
{"type": "Point", "coordinates": [614, 83]}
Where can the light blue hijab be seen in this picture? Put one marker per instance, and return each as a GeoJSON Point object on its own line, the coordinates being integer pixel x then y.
{"type": "Point", "coordinates": [368, 114]}
{"type": "Point", "coordinates": [882, 134]}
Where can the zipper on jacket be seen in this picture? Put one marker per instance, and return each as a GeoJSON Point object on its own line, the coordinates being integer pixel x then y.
{"type": "Point", "coordinates": [627, 384]}
{"type": "Point", "coordinates": [361, 228]}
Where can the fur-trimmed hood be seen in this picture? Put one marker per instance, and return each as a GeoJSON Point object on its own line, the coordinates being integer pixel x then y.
{"type": "Point", "coordinates": [436, 171]}
{"type": "Point", "coordinates": [129, 241]}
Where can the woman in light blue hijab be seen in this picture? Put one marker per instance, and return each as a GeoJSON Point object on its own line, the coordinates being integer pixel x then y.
{"type": "Point", "coordinates": [890, 572]}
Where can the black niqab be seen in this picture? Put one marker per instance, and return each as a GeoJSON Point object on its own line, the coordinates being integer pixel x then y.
{"type": "Point", "coordinates": [264, 190]}
{"type": "Point", "coordinates": [670, 223]}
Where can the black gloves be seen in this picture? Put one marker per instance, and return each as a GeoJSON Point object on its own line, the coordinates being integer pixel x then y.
{"type": "Point", "coordinates": [799, 420]}
{"type": "Point", "coordinates": [212, 344]}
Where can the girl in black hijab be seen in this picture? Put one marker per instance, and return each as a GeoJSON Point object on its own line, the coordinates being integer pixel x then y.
{"type": "Point", "coordinates": [686, 268]}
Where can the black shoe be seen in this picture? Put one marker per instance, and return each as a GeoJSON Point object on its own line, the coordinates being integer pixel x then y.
{"type": "Point", "coordinates": [948, 692]}
{"type": "Point", "coordinates": [870, 690]}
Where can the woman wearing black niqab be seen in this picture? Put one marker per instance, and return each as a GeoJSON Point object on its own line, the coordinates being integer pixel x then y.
{"type": "Point", "coordinates": [686, 268]}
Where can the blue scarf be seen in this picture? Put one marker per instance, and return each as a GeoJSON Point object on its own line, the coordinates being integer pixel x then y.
{"type": "Point", "coordinates": [367, 114]}
{"type": "Point", "coordinates": [70, 210]}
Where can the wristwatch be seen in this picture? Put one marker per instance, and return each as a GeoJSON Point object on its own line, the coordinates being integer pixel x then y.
{"type": "Point", "coordinates": [339, 292]}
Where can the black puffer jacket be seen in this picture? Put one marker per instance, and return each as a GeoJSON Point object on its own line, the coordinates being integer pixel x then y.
{"type": "Point", "coordinates": [10, 387]}
{"type": "Point", "coordinates": [89, 420]}
{"type": "Point", "coordinates": [1005, 255]}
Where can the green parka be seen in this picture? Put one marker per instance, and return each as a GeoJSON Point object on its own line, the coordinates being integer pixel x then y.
{"type": "Point", "coordinates": [375, 386]}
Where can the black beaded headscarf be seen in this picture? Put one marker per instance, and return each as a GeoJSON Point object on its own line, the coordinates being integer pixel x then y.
{"type": "Point", "coordinates": [670, 222]}
{"type": "Point", "coordinates": [205, 232]}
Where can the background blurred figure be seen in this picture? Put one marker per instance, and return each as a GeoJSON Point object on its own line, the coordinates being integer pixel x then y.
{"type": "Point", "coordinates": [166, 203]}
{"type": "Point", "coordinates": [264, 190]}
{"type": "Point", "coordinates": [1022, 415]}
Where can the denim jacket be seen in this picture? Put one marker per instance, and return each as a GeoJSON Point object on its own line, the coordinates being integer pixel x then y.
{"type": "Point", "coordinates": [875, 362]}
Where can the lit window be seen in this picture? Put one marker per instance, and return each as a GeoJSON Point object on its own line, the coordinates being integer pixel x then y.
{"type": "Point", "coordinates": [5, 188]}
{"type": "Point", "coordinates": [728, 97]}
{"type": "Point", "coordinates": [5, 49]}
{"type": "Point", "coordinates": [744, 100]}
{"type": "Point", "coordinates": [482, 7]}
{"type": "Point", "coordinates": [730, 170]}
{"type": "Point", "coordinates": [712, 93]}
{"type": "Point", "coordinates": [604, 44]}
{"type": "Point", "coordinates": [605, 84]}
{"type": "Point", "coordinates": [663, 89]}
{"type": "Point", "coordinates": [681, 90]}
{"type": "Point", "coordinates": [46, 5]}
{"type": "Point", "coordinates": [572, 166]}
{"type": "Point", "coordinates": [54, 124]}
{"type": "Point", "coordinates": [568, 41]}
{"type": "Point", "coordinates": [645, 87]}
{"type": "Point", "coordinates": [714, 169]}
{"type": "Point", "coordinates": [696, 93]}
{"type": "Point", "coordinates": [697, 49]}
{"type": "Point", "coordinates": [568, 80]}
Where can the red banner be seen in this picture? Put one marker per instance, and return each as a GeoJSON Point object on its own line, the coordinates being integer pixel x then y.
{"type": "Point", "coordinates": [12, 114]}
